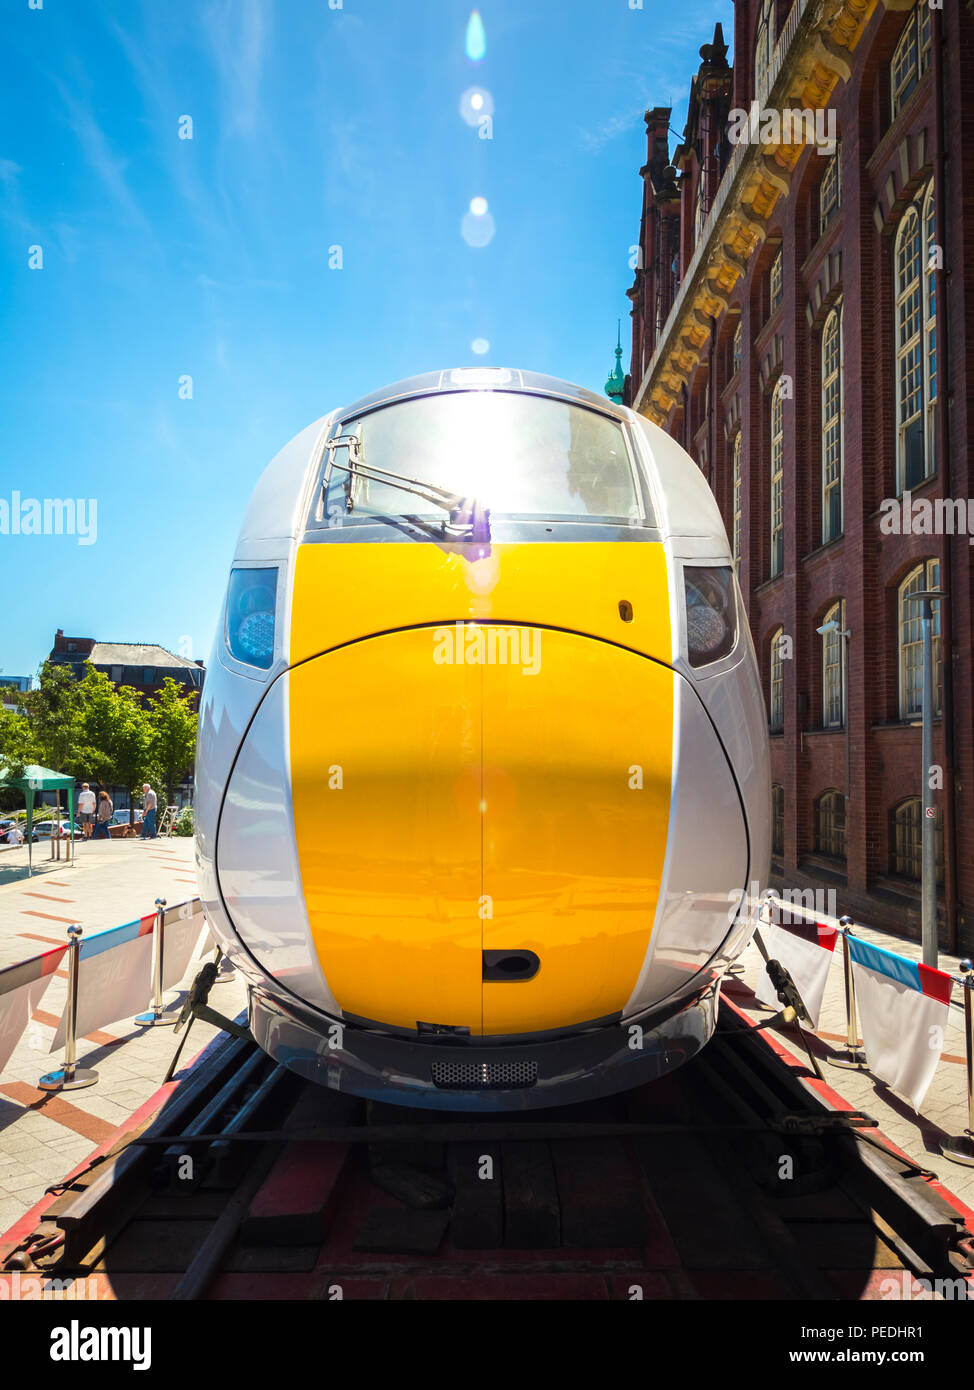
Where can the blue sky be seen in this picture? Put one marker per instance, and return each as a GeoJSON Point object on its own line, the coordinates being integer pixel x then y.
{"type": "Point", "coordinates": [166, 258]}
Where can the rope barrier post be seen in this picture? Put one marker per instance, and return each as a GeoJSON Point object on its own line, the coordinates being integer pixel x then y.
{"type": "Point", "coordinates": [960, 1149]}
{"type": "Point", "coordinates": [156, 1014]}
{"type": "Point", "coordinates": [854, 1055]}
{"type": "Point", "coordinates": [70, 1077]}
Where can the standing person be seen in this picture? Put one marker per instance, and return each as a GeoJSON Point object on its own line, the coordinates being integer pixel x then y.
{"type": "Point", "coordinates": [149, 803]}
{"type": "Point", "coordinates": [86, 810]}
{"type": "Point", "coordinates": [15, 836]}
{"type": "Point", "coordinates": [104, 814]}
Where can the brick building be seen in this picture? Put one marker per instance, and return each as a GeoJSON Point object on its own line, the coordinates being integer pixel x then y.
{"type": "Point", "coordinates": [801, 325]}
{"type": "Point", "coordinates": [11, 687]}
{"type": "Point", "coordinates": [142, 665]}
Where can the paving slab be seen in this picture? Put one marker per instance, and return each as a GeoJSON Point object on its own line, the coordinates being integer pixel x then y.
{"type": "Point", "coordinates": [43, 1135]}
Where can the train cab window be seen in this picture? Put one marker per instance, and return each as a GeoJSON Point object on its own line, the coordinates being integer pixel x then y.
{"type": "Point", "coordinates": [521, 456]}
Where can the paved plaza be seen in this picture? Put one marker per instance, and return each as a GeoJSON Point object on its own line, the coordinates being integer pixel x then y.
{"type": "Point", "coordinates": [43, 1135]}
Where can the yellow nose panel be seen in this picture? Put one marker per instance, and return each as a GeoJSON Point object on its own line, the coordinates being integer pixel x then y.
{"type": "Point", "coordinates": [577, 762]}
{"type": "Point", "coordinates": [344, 592]}
{"type": "Point", "coordinates": [385, 774]}
{"type": "Point", "coordinates": [500, 787]}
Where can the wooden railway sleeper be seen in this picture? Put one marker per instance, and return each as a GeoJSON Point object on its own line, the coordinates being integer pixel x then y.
{"type": "Point", "coordinates": [172, 1162]}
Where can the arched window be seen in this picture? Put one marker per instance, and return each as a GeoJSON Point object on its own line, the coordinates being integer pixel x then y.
{"type": "Point", "coordinates": [930, 322]}
{"type": "Point", "coordinates": [925, 576]}
{"type": "Point", "coordinates": [829, 194]}
{"type": "Point", "coordinates": [738, 493]}
{"type": "Point", "coordinates": [776, 707]}
{"type": "Point", "coordinates": [777, 820]}
{"type": "Point", "coordinates": [777, 481]}
{"type": "Point", "coordinates": [832, 442]}
{"type": "Point", "coordinates": [911, 57]}
{"type": "Point", "coordinates": [763, 44]}
{"type": "Point", "coordinates": [774, 284]}
{"type": "Point", "coordinates": [916, 343]}
{"type": "Point", "coordinates": [833, 675]}
{"type": "Point", "coordinates": [906, 841]}
{"type": "Point", "coordinates": [830, 824]}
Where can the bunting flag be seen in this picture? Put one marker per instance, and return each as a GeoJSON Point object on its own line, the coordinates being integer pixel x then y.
{"type": "Point", "coordinates": [22, 987]}
{"type": "Point", "coordinates": [805, 950]}
{"type": "Point", "coordinates": [903, 1008]}
{"type": "Point", "coordinates": [114, 977]}
{"type": "Point", "coordinates": [182, 925]}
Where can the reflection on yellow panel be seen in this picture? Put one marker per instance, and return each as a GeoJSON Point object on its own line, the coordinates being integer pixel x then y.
{"type": "Point", "coordinates": [577, 780]}
{"type": "Point", "coordinates": [344, 592]}
{"type": "Point", "coordinates": [391, 860]}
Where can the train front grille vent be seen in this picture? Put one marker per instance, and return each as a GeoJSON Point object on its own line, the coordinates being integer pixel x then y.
{"type": "Point", "coordinates": [484, 1076]}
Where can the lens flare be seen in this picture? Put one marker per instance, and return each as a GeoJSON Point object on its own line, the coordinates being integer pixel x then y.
{"type": "Point", "coordinates": [477, 229]}
{"type": "Point", "coordinates": [476, 105]}
{"type": "Point", "coordinates": [476, 38]}
{"type": "Point", "coordinates": [478, 206]}
{"type": "Point", "coordinates": [480, 346]}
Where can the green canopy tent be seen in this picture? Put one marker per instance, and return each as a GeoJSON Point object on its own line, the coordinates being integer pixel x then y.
{"type": "Point", "coordinates": [35, 778]}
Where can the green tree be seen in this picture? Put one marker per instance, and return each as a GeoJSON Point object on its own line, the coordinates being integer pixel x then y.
{"type": "Point", "coordinates": [173, 721]}
{"type": "Point", "coordinates": [131, 748]}
{"type": "Point", "coordinates": [115, 733]}
{"type": "Point", "coordinates": [53, 713]}
{"type": "Point", "coordinates": [16, 750]}
{"type": "Point", "coordinates": [98, 725]}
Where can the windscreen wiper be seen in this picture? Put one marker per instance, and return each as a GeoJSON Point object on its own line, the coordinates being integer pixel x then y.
{"type": "Point", "coordinates": [468, 518]}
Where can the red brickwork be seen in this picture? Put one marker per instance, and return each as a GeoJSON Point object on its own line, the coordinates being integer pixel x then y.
{"type": "Point", "coordinates": [884, 163]}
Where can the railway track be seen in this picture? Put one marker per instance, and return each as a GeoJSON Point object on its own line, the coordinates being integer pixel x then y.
{"type": "Point", "coordinates": [728, 1179]}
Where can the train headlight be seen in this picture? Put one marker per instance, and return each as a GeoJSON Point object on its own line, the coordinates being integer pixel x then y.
{"type": "Point", "coordinates": [251, 601]}
{"type": "Point", "coordinates": [711, 612]}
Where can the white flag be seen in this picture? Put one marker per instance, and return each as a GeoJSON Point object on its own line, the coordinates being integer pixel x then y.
{"type": "Point", "coordinates": [22, 988]}
{"type": "Point", "coordinates": [903, 1008]}
{"type": "Point", "coordinates": [181, 931]}
{"type": "Point", "coordinates": [805, 950]}
{"type": "Point", "coordinates": [114, 977]}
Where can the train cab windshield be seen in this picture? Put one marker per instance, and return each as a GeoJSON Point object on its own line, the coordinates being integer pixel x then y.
{"type": "Point", "coordinates": [523, 457]}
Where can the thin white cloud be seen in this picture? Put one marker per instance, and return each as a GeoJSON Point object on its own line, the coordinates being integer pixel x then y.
{"type": "Point", "coordinates": [108, 168]}
{"type": "Point", "coordinates": [237, 34]}
{"type": "Point", "coordinates": [594, 140]}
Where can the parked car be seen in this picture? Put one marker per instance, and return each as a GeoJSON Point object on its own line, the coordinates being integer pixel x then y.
{"type": "Point", "coordinates": [122, 817]}
{"type": "Point", "coordinates": [44, 829]}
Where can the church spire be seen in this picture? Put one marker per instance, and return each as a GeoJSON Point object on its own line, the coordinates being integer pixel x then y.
{"type": "Point", "coordinates": [617, 378]}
